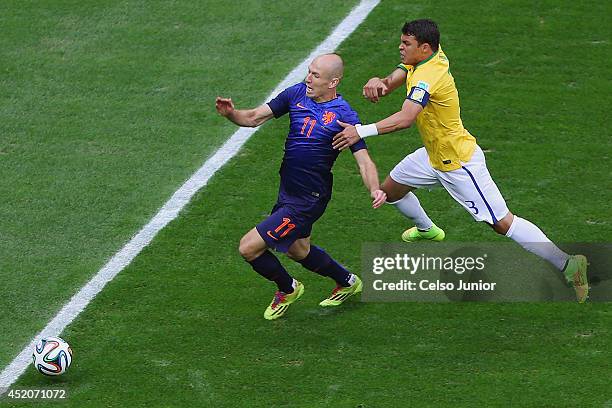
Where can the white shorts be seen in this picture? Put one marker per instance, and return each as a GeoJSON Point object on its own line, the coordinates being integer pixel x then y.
{"type": "Point", "coordinates": [471, 185]}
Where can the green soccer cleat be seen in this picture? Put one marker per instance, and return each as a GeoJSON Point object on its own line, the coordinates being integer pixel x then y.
{"type": "Point", "coordinates": [576, 274]}
{"type": "Point", "coordinates": [435, 233]}
{"type": "Point", "coordinates": [341, 293]}
{"type": "Point", "coordinates": [281, 302]}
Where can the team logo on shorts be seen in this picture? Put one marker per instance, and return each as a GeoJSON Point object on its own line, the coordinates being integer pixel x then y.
{"type": "Point", "coordinates": [328, 117]}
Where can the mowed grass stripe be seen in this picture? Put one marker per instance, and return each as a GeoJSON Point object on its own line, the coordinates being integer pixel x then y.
{"type": "Point", "coordinates": [105, 111]}
{"type": "Point", "coordinates": [171, 209]}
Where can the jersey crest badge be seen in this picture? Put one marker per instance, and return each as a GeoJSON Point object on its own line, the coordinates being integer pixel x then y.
{"type": "Point", "coordinates": [328, 117]}
{"type": "Point", "coordinates": [423, 85]}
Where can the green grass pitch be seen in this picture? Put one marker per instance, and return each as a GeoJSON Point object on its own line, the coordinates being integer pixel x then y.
{"type": "Point", "coordinates": [107, 107]}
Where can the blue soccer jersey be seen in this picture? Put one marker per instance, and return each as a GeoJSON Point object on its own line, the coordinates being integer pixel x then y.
{"type": "Point", "coordinates": [306, 168]}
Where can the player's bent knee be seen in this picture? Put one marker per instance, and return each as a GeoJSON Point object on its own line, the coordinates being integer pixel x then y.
{"type": "Point", "coordinates": [299, 250]}
{"type": "Point", "coordinates": [252, 245]}
{"type": "Point", "coordinates": [394, 190]}
{"type": "Point", "coordinates": [297, 255]}
{"type": "Point", "coordinates": [392, 199]}
{"type": "Point", "coordinates": [499, 229]}
{"type": "Point", "coordinates": [248, 249]}
{"type": "Point", "coordinates": [502, 226]}
{"type": "Point", "coordinates": [293, 255]}
{"type": "Point", "coordinates": [244, 249]}
{"type": "Point", "coordinates": [393, 196]}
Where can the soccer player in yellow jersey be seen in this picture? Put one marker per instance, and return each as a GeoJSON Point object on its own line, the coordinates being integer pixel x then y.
{"type": "Point", "coordinates": [450, 158]}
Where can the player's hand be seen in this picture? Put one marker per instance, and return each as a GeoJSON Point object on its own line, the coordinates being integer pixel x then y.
{"type": "Point", "coordinates": [374, 89]}
{"type": "Point", "coordinates": [346, 138]}
{"type": "Point", "coordinates": [224, 106]}
{"type": "Point", "coordinates": [378, 198]}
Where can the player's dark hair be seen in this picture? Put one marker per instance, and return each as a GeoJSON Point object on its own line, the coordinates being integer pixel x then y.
{"type": "Point", "coordinates": [425, 31]}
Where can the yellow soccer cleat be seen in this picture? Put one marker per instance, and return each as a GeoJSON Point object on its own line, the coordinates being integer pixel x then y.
{"type": "Point", "coordinates": [281, 302]}
{"type": "Point", "coordinates": [435, 233]}
{"type": "Point", "coordinates": [576, 274]}
{"type": "Point", "coordinates": [341, 293]}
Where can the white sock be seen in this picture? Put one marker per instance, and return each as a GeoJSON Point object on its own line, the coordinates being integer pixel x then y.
{"type": "Point", "coordinates": [411, 208]}
{"type": "Point", "coordinates": [530, 237]}
{"type": "Point", "coordinates": [352, 279]}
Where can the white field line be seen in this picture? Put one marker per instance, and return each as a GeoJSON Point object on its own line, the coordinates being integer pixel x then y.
{"type": "Point", "coordinates": [177, 202]}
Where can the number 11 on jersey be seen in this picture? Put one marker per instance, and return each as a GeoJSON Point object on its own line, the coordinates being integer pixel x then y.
{"type": "Point", "coordinates": [312, 124]}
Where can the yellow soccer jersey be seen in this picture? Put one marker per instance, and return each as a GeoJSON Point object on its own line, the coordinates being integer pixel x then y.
{"type": "Point", "coordinates": [430, 84]}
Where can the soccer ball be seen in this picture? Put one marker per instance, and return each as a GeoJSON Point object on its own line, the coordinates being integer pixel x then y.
{"type": "Point", "coordinates": [52, 356]}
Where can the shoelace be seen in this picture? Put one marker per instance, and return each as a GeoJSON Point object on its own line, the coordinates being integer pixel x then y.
{"type": "Point", "coordinates": [278, 298]}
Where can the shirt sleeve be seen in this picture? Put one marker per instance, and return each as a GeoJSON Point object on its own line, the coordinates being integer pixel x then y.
{"type": "Point", "coordinates": [420, 88]}
{"type": "Point", "coordinates": [404, 67]}
{"type": "Point", "coordinates": [361, 144]}
{"type": "Point", "coordinates": [281, 102]}
{"type": "Point", "coordinates": [351, 117]}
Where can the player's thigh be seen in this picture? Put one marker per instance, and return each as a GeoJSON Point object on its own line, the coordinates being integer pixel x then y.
{"type": "Point", "coordinates": [414, 171]}
{"type": "Point", "coordinates": [473, 187]}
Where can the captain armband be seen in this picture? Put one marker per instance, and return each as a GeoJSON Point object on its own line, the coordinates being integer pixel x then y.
{"type": "Point", "coordinates": [418, 95]}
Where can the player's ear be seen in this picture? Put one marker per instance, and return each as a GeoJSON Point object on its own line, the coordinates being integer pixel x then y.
{"type": "Point", "coordinates": [334, 83]}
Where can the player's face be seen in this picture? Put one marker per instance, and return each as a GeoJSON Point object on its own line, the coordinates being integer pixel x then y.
{"type": "Point", "coordinates": [411, 52]}
{"type": "Point", "coordinates": [317, 82]}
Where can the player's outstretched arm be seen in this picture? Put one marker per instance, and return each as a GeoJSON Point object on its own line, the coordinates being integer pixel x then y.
{"type": "Point", "coordinates": [399, 120]}
{"type": "Point", "coordinates": [369, 174]}
{"type": "Point", "coordinates": [376, 88]}
{"type": "Point", "coordinates": [246, 117]}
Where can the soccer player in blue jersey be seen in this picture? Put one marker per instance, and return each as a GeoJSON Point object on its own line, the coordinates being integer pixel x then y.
{"type": "Point", "coordinates": [314, 110]}
{"type": "Point", "coordinates": [450, 158]}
